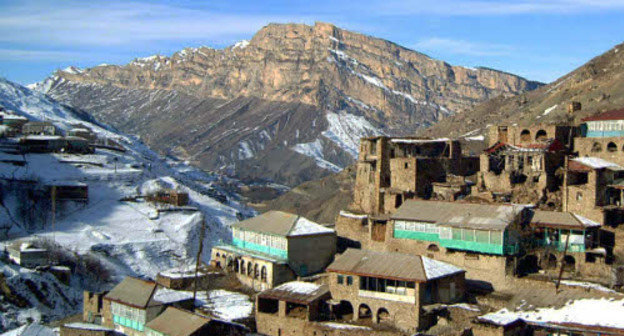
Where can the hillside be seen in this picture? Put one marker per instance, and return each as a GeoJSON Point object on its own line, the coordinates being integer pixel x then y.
{"type": "Point", "coordinates": [289, 105]}
{"type": "Point", "coordinates": [127, 236]}
{"type": "Point", "coordinates": [598, 85]}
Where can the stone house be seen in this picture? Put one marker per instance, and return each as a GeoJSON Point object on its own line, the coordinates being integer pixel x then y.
{"type": "Point", "coordinates": [86, 329]}
{"type": "Point", "coordinates": [42, 143]}
{"type": "Point", "coordinates": [592, 190]}
{"type": "Point", "coordinates": [169, 196]}
{"type": "Point", "coordinates": [391, 170]}
{"type": "Point", "coordinates": [527, 135]}
{"type": "Point", "coordinates": [82, 133]}
{"type": "Point", "coordinates": [275, 247]}
{"type": "Point", "coordinates": [483, 239]}
{"type": "Point", "coordinates": [178, 322]}
{"type": "Point", "coordinates": [130, 305]}
{"type": "Point", "coordinates": [14, 122]}
{"type": "Point", "coordinates": [287, 308]}
{"type": "Point", "coordinates": [93, 307]}
{"type": "Point", "coordinates": [26, 254]}
{"type": "Point", "coordinates": [392, 288]}
{"type": "Point", "coordinates": [504, 166]}
{"type": "Point", "coordinates": [602, 136]}
{"type": "Point", "coordinates": [568, 240]}
{"type": "Point", "coordinates": [38, 128]}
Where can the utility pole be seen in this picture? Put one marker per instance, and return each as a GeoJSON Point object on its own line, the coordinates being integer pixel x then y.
{"type": "Point", "coordinates": [199, 253]}
{"type": "Point", "coordinates": [565, 250]}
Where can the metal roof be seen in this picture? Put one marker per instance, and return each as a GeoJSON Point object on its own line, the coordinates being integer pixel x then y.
{"type": "Point", "coordinates": [391, 265]}
{"type": "Point", "coordinates": [177, 322]}
{"type": "Point", "coordinates": [133, 292]}
{"type": "Point", "coordinates": [561, 220]}
{"type": "Point", "coordinates": [458, 214]}
{"type": "Point", "coordinates": [282, 224]}
{"type": "Point", "coordinates": [609, 115]}
{"type": "Point", "coordinates": [297, 291]}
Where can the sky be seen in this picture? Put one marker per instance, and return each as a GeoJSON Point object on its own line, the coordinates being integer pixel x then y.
{"type": "Point", "coordinates": [537, 39]}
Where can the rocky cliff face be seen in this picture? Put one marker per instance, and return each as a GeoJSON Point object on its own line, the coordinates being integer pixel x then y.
{"type": "Point", "coordinates": [289, 105]}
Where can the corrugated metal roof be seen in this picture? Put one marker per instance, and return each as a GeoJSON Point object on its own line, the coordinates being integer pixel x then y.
{"type": "Point", "coordinates": [561, 219]}
{"type": "Point", "coordinates": [458, 214]}
{"type": "Point", "coordinates": [177, 322]}
{"type": "Point", "coordinates": [609, 115]}
{"type": "Point", "coordinates": [296, 291]}
{"type": "Point", "coordinates": [133, 292]}
{"type": "Point", "coordinates": [391, 265]}
{"type": "Point", "coordinates": [282, 224]}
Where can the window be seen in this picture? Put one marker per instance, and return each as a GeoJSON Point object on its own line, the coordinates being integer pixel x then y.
{"type": "Point", "coordinates": [385, 285]}
{"type": "Point", "coordinates": [406, 165]}
{"type": "Point", "coordinates": [469, 235]}
{"type": "Point", "coordinates": [482, 236]}
{"type": "Point", "coordinates": [579, 196]}
{"type": "Point", "coordinates": [496, 237]}
{"type": "Point", "coordinates": [457, 234]}
{"type": "Point", "coordinates": [349, 280]}
{"type": "Point", "coordinates": [340, 279]}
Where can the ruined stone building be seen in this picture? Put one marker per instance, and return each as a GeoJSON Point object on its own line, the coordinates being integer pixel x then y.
{"type": "Point", "coordinates": [527, 135]}
{"type": "Point", "coordinates": [593, 190]}
{"type": "Point", "coordinates": [274, 248]}
{"type": "Point", "coordinates": [391, 170]}
{"type": "Point", "coordinates": [504, 166]}
{"type": "Point", "coordinates": [392, 288]}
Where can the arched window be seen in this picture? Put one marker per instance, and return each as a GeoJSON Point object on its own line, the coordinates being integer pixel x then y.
{"type": "Point", "coordinates": [541, 135]}
{"type": "Point", "coordinates": [596, 147]}
{"type": "Point", "coordinates": [263, 274]}
{"type": "Point", "coordinates": [611, 147]}
{"type": "Point", "coordinates": [433, 248]}
{"type": "Point", "coordinates": [525, 136]}
{"type": "Point", "coordinates": [364, 312]}
{"type": "Point", "coordinates": [242, 266]}
{"type": "Point", "coordinates": [249, 268]}
{"type": "Point", "coordinates": [256, 271]}
{"type": "Point", "coordinates": [383, 315]}
{"type": "Point", "coordinates": [569, 263]}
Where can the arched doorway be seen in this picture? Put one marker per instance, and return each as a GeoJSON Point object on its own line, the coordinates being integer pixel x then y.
{"type": "Point", "coordinates": [611, 147]}
{"type": "Point", "coordinates": [527, 265]}
{"type": "Point", "coordinates": [540, 135]}
{"type": "Point", "coordinates": [249, 269]}
{"type": "Point", "coordinates": [383, 316]}
{"type": "Point", "coordinates": [364, 312]}
{"type": "Point", "coordinates": [596, 147]}
{"type": "Point", "coordinates": [242, 267]}
{"type": "Point", "coordinates": [433, 248]}
{"type": "Point", "coordinates": [551, 261]}
{"type": "Point", "coordinates": [525, 136]}
{"type": "Point", "coordinates": [344, 311]}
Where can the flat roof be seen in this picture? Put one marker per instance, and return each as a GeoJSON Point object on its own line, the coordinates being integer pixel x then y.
{"type": "Point", "coordinates": [296, 291]}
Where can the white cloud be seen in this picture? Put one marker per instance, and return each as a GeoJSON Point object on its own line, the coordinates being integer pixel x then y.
{"type": "Point", "coordinates": [462, 47]}
{"type": "Point", "coordinates": [122, 23]}
{"type": "Point", "coordinates": [39, 55]}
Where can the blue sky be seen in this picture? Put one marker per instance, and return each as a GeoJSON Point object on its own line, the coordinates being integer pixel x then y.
{"type": "Point", "coordinates": [538, 39]}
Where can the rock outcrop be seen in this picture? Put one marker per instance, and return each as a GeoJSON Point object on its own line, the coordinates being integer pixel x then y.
{"type": "Point", "coordinates": [289, 105]}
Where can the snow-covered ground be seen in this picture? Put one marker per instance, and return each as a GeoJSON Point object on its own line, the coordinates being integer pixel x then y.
{"type": "Point", "coordinates": [132, 238]}
{"type": "Point", "coordinates": [226, 305]}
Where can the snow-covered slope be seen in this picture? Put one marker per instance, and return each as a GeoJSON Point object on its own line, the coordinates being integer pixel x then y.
{"type": "Point", "coordinates": [130, 237]}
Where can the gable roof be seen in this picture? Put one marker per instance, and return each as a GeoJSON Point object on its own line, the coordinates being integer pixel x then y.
{"type": "Point", "coordinates": [558, 219]}
{"type": "Point", "coordinates": [177, 322]}
{"type": "Point", "coordinates": [133, 292]}
{"type": "Point", "coordinates": [609, 115]}
{"type": "Point", "coordinates": [391, 265]}
{"type": "Point", "coordinates": [458, 214]}
{"type": "Point", "coordinates": [296, 291]}
{"type": "Point", "coordinates": [282, 224]}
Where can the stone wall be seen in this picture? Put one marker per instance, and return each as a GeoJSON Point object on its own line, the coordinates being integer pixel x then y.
{"type": "Point", "coordinates": [92, 306]}
{"type": "Point", "coordinates": [72, 331]}
{"type": "Point", "coordinates": [311, 254]}
{"type": "Point", "coordinates": [610, 149]}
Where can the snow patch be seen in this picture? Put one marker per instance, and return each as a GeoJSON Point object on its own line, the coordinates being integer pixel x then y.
{"type": "Point", "coordinates": [241, 44]}
{"type": "Point", "coordinates": [436, 269]}
{"type": "Point", "coordinates": [304, 226]}
{"type": "Point", "coordinates": [314, 150]}
{"type": "Point", "coordinates": [346, 130]}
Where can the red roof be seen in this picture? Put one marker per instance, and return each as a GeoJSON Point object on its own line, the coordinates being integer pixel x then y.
{"type": "Point", "coordinates": [578, 167]}
{"type": "Point", "coordinates": [609, 115]}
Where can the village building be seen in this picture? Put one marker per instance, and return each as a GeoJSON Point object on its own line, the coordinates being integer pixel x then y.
{"type": "Point", "coordinates": [593, 190]}
{"type": "Point", "coordinates": [564, 239]}
{"type": "Point", "coordinates": [26, 254]}
{"type": "Point", "coordinates": [68, 191]}
{"type": "Point", "coordinates": [134, 302]}
{"type": "Point", "coordinates": [527, 135]}
{"type": "Point", "coordinates": [86, 329]}
{"type": "Point", "coordinates": [15, 122]}
{"type": "Point", "coordinates": [178, 322]}
{"type": "Point", "coordinates": [602, 136]}
{"type": "Point", "coordinates": [169, 196]}
{"type": "Point", "coordinates": [504, 166]}
{"type": "Point", "coordinates": [42, 143]}
{"type": "Point", "coordinates": [483, 239]}
{"type": "Point", "coordinates": [287, 309]}
{"type": "Point", "coordinates": [390, 288]}
{"type": "Point", "coordinates": [93, 307]}
{"type": "Point", "coordinates": [391, 170]}
{"type": "Point", "coordinates": [82, 133]}
{"type": "Point", "coordinates": [38, 128]}
{"type": "Point", "coordinates": [274, 248]}
{"type": "Point", "coordinates": [186, 278]}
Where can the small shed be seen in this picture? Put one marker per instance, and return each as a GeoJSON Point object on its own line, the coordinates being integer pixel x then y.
{"type": "Point", "coordinates": [76, 144]}
{"type": "Point", "coordinates": [69, 191]}
{"type": "Point", "coordinates": [169, 196]}
{"type": "Point", "coordinates": [38, 128]}
{"type": "Point", "coordinates": [27, 254]}
{"type": "Point", "coordinates": [83, 133]}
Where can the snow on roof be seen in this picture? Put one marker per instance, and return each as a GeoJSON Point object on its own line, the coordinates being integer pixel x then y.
{"type": "Point", "coordinates": [299, 287]}
{"type": "Point", "coordinates": [589, 312]}
{"type": "Point", "coordinates": [226, 305]}
{"type": "Point", "coordinates": [42, 137]}
{"type": "Point", "coordinates": [352, 215]}
{"type": "Point", "coordinates": [436, 269]}
{"type": "Point", "coordinates": [404, 140]}
{"type": "Point", "coordinates": [166, 295]}
{"type": "Point", "coordinates": [336, 325]}
{"type": "Point", "coordinates": [304, 226]}
{"type": "Point", "coordinates": [596, 163]}
{"type": "Point", "coordinates": [586, 221]}
{"type": "Point", "coordinates": [87, 326]}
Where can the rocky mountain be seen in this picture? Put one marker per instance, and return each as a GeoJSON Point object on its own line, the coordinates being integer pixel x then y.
{"type": "Point", "coordinates": [289, 105]}
{"type": "Point", "coordinates": [598, 85]}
